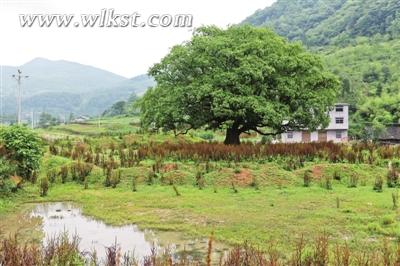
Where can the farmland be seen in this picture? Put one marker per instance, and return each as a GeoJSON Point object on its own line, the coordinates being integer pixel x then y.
{"type": "Point", "coordinates": [184, 184]}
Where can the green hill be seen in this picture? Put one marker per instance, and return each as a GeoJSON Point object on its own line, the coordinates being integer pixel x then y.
{"type": "Point", "coordinates": [324, 22]}
{"type": "Point", "coordinates": [61, 87]}
{"type": "Point", "coordinates": [360, 42]}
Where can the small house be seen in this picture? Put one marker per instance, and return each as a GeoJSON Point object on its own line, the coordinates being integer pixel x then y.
{"type": "Point", "coordinates": [337, 130]}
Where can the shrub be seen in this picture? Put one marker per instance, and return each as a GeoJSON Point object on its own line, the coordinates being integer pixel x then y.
{"type": "Point", "coordinates": [200, 182]}
{"type": "Point", "coordinates": [388, 220]}
{"type": "Point", "coordinates": [353, 181]}
{"type": "Point", "coordinates": [115, 178]}
{"type": "Point", "coordinates": [86, 183]}
{"type": "Point", "coordinates": [254, 183]}
{"type": "Point", "coordinates": [150, 177]}
{"type": "Point", "coordinates": [395, 199]}
{"type": "Point", "coordinates": [328, 183]}
{"type": "Point", "coordinates": [44, 186]}
{"type": "Point", "coordinates": [378, 185]}
{"type": "Point", "coordinates": [6, 170]}
{"type": "Point", "coordinates": [392, 177]}
{"type": "Point", "coordinates": [337, 176]}
{"type": "Point", "coordinates": [24, 147]}
{"type": "Point", "coordinates": [64, 174]}
{"type": "Point", "coordinates": [234, 187]}
{"type": "Point", "coordinates": [208, 136]}
{"type": "Point", "coordinates": [307, 177]}
{"type": "Point", "coordinates": [134, 189]}
{"type": "Point", "coordinates": [51, 176]}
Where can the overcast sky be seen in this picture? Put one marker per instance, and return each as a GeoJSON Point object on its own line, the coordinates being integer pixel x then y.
{"type": "Point", "coordinates": [125, 51]}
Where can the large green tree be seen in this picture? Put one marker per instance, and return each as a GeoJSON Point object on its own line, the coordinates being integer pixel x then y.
{"type": "Point", "coordinates": [240, 79]}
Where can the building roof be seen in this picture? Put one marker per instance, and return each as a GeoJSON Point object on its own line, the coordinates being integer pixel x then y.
{"type": "Point", "coordinates": [391, 133]}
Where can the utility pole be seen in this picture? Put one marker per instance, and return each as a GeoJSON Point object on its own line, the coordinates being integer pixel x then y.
{"type": "Point", "coordinates": [18, 78]}
{"type": "Point", "coordinates": [32, 120]}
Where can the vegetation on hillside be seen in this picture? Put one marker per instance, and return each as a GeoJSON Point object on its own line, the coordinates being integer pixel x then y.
{"type": "Point", "coordinates": [359, 41]}
{"type": "Point", "coordinates": [330, 22]}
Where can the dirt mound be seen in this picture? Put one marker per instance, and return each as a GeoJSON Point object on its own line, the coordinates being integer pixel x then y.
{"type": "Point", "coordinates": [318, 171]}
{"type": "Point", "coordinates": [243, 178]}
{"type": "Point", "coordinates": [169, 167]}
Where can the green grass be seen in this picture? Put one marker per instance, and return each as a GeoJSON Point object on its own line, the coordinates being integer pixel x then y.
{"type": "Point", "coordinates": [281, 209]}
{"type": "Point", "coordinates": [278, 207]}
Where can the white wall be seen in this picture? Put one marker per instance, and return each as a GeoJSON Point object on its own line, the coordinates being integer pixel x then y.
{"type": "Point", "coordinates": [331, 136]}
{"type": "Point", "coordinates": [314, 136]}
{"type": "Point", "coordinates": [297, 137]}
{"type": "Point", "coordinates": [333, 114]}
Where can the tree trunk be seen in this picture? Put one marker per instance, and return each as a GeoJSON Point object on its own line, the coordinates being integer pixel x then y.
{"type": "Point", "coordinates": [232, 136]}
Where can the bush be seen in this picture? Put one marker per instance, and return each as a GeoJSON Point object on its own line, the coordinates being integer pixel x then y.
{"type": "Point", "coordinates": [64, 174]}
{"type": "Point", "coordinates": [6, 170]}
{"type": "Point", "coordinates": [378, 186]}
{"type": "Point", "coordinates": [353, 181]}
{"type": "Point", "coordinates": [44, 186]}
{"type": "Point", "coordinates": [328, 183]}
{"type": "Point", "coordinates": [337, 176]}
{"type": "Point", "coordinates": [24, 147]}
{"type": "Point", "coordinates": [392, 177]}
{"type": "Point", "coordinates": [307, 177]}
{"type": "Point", "coordinates": [207, 136]}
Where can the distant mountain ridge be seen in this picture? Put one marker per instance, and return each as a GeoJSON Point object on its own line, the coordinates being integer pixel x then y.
{"type": "Point", "coordinates": [61, 87]}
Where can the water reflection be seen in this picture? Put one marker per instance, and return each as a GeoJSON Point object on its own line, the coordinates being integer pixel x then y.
{"type": "Point", "coordinates": [96, 235]}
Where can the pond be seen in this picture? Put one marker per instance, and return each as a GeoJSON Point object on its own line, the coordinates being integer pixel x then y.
{"type": "Point", "coordinates": [52, 219]}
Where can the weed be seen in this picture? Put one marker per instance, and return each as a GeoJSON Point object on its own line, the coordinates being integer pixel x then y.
{"type": "Point", "coordinates": [395, 199]}
{"type": "Point", "coordinates": [64, 174]}
{"type": "Point", "coordinates": [378, 185]}
{"type": "Point", "coordinates": [328, 183]}
{"type": "Point", "coordinates": [44, 186]}
{"type": "Point", "coordinates": [134, 188]}
{"type": "Point", "coordinates": [353, 181]}
{"type": "Point", "coordinates": [234, 187]}
{"type": "Point", "coordinates": [200, 182]}
{"type": "Point", "coordinates": [51, 176]}
{"type": "Point", "coordinates": [176, 190]}
{"type": "Point", "coordinates": [337, 176]}
{"type": "Point", "coordinates": [307, 177]}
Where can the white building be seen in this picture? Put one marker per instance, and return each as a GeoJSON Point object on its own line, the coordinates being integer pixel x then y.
{"type": "Point", "coordinates": [337, 130]}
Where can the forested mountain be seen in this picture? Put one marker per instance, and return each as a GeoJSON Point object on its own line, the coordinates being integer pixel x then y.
{"type": "Point", "coordinates": [360, 42]}
{"type": "Point", "coordinates": [323, 22]}
{"type": "Point", "coordinates": [62, 87]}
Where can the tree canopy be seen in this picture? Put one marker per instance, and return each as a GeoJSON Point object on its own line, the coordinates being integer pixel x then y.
{"type": "Point", "coordinates": [240, 79]}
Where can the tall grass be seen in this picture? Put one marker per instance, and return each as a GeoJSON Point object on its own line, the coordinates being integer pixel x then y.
{"type": "Point", "coordinates": [63, 250]}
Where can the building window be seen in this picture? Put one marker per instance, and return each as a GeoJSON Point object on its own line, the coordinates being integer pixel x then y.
{"type": "Point", "coordinates": [339, 120]}
{"type": "Point", "coordinates": [290, 135]}
{"type": "Point", "coordinates": [339, 108]}
{"type": "Point", "coordinates": [338, 134]}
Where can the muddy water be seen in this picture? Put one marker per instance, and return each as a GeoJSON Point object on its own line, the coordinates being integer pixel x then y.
{"type": "Point", "coordinates": [50, 219]}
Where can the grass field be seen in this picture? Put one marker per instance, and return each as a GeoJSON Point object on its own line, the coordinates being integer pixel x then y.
{"type": "Point", "coordinates": [280, 208]}
{"type": "Point", "coordinates": [265, 203]}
